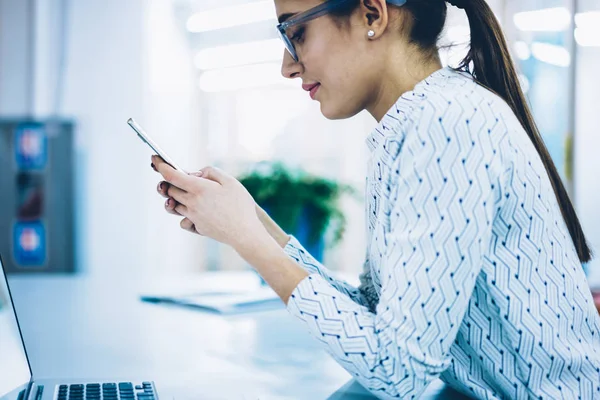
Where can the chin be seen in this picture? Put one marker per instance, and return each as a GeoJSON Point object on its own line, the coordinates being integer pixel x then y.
{"type": "Point", "coordinates": [331, 112]}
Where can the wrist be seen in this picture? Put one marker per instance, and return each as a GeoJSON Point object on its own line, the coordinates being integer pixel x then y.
{"type": "Point", "coordinates": [271, 262]}
{"type": "Point", "coordinates": [272, 228]}
{"type": "Point", "coordinates": [258, 241]}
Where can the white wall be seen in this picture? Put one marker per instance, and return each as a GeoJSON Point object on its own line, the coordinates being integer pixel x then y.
{"type": "Point", "coordinates": [16, 91]}
{"type": "Point", "coordinates": [127, 59]}
{"type": "Point", "coordinates": [100, 62]}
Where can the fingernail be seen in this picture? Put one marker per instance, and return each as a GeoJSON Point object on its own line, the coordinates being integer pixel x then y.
{"type": "Point", "coordinates": [167, 203]}
{"type": "Point", "coordinates": [153, 167]}
{"type": "Point", "coordinates": [199, 173]}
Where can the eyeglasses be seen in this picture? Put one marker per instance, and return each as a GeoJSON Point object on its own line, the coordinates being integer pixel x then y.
{"type": "Point", "coordinates": [310, 14]}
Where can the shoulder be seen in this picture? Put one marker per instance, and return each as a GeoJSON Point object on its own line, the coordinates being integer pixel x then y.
{"type": "Point", "coordinates": [454, 106]}
{"type": "Point", "coordinates": [457, 125]}
{"type": "Point", "coordinates": [448, 109]}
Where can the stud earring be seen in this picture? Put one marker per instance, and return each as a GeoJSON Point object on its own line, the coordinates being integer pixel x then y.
{"type": "Point", "coordinates": [371, 33]}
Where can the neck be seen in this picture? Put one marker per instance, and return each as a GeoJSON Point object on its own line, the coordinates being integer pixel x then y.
{"type": "Point", "coordinates": [400, 77]}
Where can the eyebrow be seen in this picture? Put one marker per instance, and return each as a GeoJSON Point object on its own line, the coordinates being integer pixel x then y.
{"type": "Point", "coordinates": [284, 17]}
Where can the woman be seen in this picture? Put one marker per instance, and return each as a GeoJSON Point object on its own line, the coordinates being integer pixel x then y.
{"type": "Point", "coordinates": [473, 270]}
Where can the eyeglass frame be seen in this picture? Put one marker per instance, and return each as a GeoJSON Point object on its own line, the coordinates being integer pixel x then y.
{"type": "Point", "coordinates": [310, 14]}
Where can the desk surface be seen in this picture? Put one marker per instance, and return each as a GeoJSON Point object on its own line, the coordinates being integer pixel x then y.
{"type": "Point", "coordinates": [78, 327]}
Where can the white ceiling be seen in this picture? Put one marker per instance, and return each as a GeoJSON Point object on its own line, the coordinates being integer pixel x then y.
{"type": "Point", "coordinates": [261, 30]}
{"type": "Point", "coordinates": [266, 29]}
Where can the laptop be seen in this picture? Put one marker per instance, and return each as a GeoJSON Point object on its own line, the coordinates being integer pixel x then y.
{"type": "Point", "coordinates": [17, 381]}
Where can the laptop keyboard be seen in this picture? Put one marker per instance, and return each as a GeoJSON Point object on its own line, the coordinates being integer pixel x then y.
{"type": "Point", "coordinates": [107, 391]}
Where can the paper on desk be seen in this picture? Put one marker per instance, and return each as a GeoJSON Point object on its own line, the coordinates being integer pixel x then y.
{"type": "Point", "coordinates": [259, 299]}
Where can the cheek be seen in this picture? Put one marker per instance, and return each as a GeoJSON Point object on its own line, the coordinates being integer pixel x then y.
{"type": "Point", "coordinates": [335, 62]}
{"type": "Point", "coordinates": [325, 49]}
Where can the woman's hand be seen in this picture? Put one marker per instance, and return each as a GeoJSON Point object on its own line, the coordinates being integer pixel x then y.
{"type": "Point", "coordinates": [213, 203]}
{"type": "Point", "coordinates": [170, 204]}
{"type": "Point", "coordinates": [271, 226]}
{"type": "Point", "coordinates": [216, 205]}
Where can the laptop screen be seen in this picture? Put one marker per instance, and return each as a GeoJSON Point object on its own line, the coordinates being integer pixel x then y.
{"type": "Point", "coordinates": [14, 367]}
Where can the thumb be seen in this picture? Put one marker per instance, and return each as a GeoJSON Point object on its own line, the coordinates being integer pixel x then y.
{"type": "Point", "coordinates": [214, 174]}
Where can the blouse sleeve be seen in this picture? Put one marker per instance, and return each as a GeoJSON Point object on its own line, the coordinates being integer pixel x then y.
{"type": "Point", "coordinates": [295, 250]}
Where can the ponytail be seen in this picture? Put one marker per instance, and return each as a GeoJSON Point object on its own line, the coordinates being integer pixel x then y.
{"type": "Point", "coordinates": [494, 69]}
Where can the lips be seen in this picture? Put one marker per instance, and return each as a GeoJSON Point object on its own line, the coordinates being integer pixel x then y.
{"type": "Point", "coordinates": [311, 88]}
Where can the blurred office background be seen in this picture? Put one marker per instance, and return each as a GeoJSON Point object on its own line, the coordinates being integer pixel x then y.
{"type": "Point", "coordinates": [202, 76]}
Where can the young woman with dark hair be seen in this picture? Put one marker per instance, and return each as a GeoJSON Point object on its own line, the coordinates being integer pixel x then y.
{"type": "Point", "coordinates": [473, 260]}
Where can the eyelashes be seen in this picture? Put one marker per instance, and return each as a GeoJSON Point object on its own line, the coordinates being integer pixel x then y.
{"type": "Point", "coordinates": [298, 35]}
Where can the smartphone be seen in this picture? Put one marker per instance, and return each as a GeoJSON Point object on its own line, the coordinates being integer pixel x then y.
{"type": "Point", "coordinates": [146, 139]}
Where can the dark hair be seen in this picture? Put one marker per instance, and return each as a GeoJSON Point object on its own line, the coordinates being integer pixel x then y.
{"type": "Point", "coordinates": [494, 69]}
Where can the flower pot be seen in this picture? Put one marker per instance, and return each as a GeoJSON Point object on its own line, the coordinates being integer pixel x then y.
{"type": "Point", "coordinates": [302, 233]}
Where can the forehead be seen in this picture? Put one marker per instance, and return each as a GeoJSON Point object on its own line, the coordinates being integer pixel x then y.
{"type": "Point", "coordinates": [294, 6]}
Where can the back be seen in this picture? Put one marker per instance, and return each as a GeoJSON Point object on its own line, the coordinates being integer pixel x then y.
{"type": "Point", "coordinates": [532, 323]}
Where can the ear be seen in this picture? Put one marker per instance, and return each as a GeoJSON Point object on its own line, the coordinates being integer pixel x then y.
{"type": "Point", "coordinates": [374, 14]}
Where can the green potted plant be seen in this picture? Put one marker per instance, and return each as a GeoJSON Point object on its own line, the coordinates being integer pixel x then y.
{"type": "Point", "coordinates": [302, 204]}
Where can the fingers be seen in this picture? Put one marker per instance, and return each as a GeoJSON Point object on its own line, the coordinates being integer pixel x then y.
{"type": "Point", "coordinates": [215, 174]}
{"type": "Point", "coordinates": [175, 208]}
{"type": "Point", "coordinates": [188, 225]}
{"type": "Point", "coordinates": [162, 189]}
{"type": "Point", "coordinates": [174, 177]}
{"type": "Point", "coordinates": [177, 194]}
{"type": "Point", "coordinates": [182, 210]}
{"type": "Point", "coordinates": [170, 207]}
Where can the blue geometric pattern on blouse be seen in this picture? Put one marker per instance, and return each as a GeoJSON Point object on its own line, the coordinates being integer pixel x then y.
{"type": "Point", "coordinates": [472, 274]}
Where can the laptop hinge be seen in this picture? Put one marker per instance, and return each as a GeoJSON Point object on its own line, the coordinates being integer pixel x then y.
{"type": "Point", "coordinates": [35, 391]}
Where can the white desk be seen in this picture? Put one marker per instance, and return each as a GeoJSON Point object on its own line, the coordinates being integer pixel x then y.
{"type": "Point", "coordinates": [97, 328]}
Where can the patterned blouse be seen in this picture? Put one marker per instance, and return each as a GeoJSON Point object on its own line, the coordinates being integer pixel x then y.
{"type": "Point", "coordinates": [471, 275]}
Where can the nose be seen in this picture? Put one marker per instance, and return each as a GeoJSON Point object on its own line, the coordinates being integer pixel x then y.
{"type": "Point", "coordinates": [289, 67]}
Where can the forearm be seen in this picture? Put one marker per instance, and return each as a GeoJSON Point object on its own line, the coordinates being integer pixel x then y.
{"type": "Point", "coordinates": [281, 272]}
{"type": "Point", "coordinates": [272, 228]}
{"type": "Point", "coordinates": [303, 259]}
